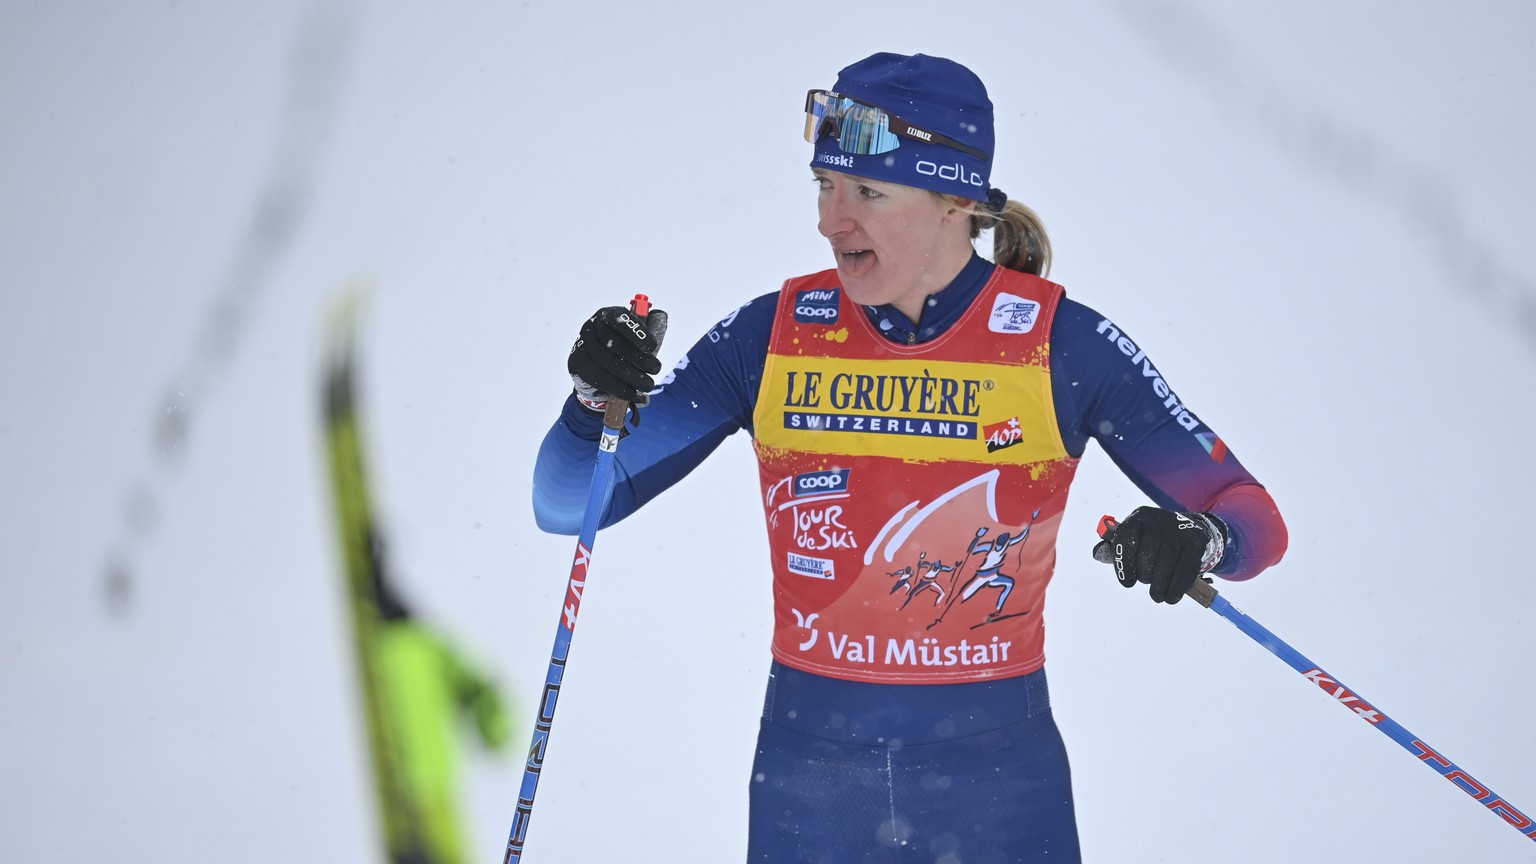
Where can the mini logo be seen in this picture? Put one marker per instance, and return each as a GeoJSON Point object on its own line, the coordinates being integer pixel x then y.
{"type": "Point", "coordinates": [820, 483]}
{"type": "Point", "coordinates": [1012, 314]}
{"type": "Point", "coordinates": [817, 306]}
{"type": "Point", "coordinates": [1004, 434]}
{"type": "Point", "coordinates": [816, 568]}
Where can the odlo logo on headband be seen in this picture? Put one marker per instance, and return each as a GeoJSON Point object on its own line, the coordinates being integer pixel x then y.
{"type": "Point", "coordinates": [955, 171]}
{"type": "Point", "coordinates": [816, 306]}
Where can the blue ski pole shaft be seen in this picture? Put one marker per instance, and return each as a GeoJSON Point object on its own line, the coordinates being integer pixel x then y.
{"type": "Point", "coordinates": [1205, 594]}
{"type": "Point", "coordinates": [602, 478]}
{"type": "Point", "coordinates": [1374, 716]}
{"type": "Point", "coordinates": [614, 415]}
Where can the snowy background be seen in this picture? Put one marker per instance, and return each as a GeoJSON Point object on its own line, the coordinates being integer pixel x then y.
{"type": "Point", "coordinates": [1316, 216]}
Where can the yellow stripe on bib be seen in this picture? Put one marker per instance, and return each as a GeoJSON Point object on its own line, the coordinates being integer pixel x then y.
{"type": "Point", "coordinates": [918, 410]}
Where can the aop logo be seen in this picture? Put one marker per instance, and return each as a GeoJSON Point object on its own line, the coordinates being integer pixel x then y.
{"type": "Point", "coordinates": [815, 483]}
{"type": "Point", "coordinates": [1012, 314]}
{"type": "Point", "coordinates": [1002, 435]}
{"type": "Point", "coordinates": [817, 306]}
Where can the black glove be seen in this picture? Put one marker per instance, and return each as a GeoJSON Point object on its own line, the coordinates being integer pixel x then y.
{"type": "Point", "coordinates": [1165, 549]}
{"type": "Point", "coordinates": [615, 356]}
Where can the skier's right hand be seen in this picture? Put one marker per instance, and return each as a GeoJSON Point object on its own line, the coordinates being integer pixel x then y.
{"type": "Point", "coordinates": [615, 356]}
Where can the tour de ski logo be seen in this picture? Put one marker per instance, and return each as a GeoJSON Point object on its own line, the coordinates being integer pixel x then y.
{"type": "Point", "coordinates": [817, 523]}
{"type": "Point", "coordinates": [816, 306]}
{"type": "Point", "coordinates": [1012, 314]}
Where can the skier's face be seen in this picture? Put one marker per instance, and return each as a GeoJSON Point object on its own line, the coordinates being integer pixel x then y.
{"type": "Point", "coordinates": [892, 243]}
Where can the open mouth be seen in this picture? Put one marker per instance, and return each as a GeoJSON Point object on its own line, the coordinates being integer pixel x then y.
{"type": "Point", "coordinates": [855, 263]}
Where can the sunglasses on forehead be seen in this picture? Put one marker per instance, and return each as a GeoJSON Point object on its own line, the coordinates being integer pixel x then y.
{"type": "Point", "coordinates": [863, 129]}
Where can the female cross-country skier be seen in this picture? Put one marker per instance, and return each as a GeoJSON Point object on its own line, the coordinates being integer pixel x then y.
{"type": "Point", "coordinates": [905, 397]}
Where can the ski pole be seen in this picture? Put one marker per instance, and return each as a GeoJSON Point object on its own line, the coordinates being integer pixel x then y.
{"type": "Point", "coordinates": [602, 477]}
{"type": "Point", "coordinates": [1204, 593]}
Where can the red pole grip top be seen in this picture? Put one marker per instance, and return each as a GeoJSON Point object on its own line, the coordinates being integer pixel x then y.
{"type": "Point", "coordinates": [641, 305]}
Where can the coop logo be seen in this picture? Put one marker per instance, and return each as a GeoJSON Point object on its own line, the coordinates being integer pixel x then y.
{"type": "Point", "coordinates": [817, 483]}
{"type": "Point", "coordinates": [1012, 314]}
{"type": "Point", "coordinates": [807, 565]}
{"type": "Point", "coordinates": [1001, 435]}
{"type": "Point", "coordinates": [816, 306]}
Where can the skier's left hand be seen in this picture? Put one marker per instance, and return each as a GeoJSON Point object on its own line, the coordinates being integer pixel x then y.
{"type": "Point", "coordinates": [1164, 549]}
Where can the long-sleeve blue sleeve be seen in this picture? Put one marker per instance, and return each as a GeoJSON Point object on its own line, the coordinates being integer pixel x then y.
{"type": "Point", "coordinates": [1108, 389]}
{"type": "Point", "coordinates": [707, 396]}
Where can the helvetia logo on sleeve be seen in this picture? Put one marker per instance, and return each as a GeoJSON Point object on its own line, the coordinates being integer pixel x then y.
{"type": "Point", "coordinates": [817, 306]}
{"type": "Point", "coordinates": [1012, 314]}
{"type": "Point", "coordinates": [1138, 359]}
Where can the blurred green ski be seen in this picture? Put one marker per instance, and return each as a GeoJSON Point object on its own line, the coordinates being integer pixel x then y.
{"type": "Point", "coordinates": [414, 685]}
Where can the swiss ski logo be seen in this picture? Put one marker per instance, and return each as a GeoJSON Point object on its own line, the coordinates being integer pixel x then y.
{"type": "Point", "coordinates": [1012, 314]}
{"type": "Point", "coordinates": [1004, 434]}
{"type": "Point", "coordinates": [817, 306]}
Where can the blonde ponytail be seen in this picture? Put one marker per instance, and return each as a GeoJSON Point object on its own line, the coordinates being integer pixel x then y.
{"type": "Point", "coordinates": [1019, 241]}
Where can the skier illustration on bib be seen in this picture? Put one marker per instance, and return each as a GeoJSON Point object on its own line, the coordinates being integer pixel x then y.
{"type": "Point", "coordinates": [928, 578]}
{"type": "Point", "coordinates": [990, 573]}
